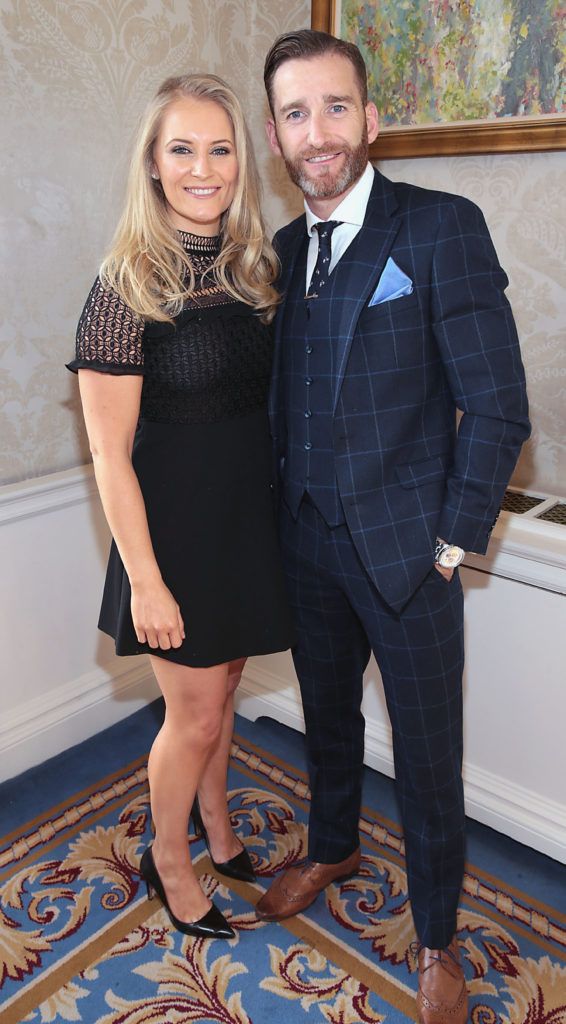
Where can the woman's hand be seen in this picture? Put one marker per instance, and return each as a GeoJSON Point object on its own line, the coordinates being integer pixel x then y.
{"type": "Point", "coordinates": [111, 407]}
{"type": "Point", "coordinates": [157, 616]}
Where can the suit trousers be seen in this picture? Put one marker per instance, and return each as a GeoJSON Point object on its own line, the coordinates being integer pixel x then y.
{"type": "Point", "coordinates": [341, 619]}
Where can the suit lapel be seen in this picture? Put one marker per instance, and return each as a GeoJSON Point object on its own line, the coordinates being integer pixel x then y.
{"type": "Point", "coordinates": [361, 267]}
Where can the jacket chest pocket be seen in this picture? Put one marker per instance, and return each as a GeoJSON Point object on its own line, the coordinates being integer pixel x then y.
{"type": "Point", "coordinates": [394, 334]}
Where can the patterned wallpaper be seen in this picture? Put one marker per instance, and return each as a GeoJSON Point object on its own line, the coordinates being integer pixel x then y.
{"type": "Point", "coordinates": [74, 77]}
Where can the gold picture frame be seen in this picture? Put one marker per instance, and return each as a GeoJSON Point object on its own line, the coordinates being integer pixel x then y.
{"type": "Point", "coordinates": [509, 135]}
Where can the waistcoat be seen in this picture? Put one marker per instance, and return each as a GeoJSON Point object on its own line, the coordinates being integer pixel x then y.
{"type": "Point", "coordinates": [308, 357]}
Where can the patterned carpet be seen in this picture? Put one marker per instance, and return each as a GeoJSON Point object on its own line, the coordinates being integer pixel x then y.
{"type": "Point", "coordinates": [79, 941]}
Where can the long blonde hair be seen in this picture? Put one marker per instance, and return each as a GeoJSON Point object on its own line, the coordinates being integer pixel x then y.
{"type": "Point", "coordinates": [147, 264]}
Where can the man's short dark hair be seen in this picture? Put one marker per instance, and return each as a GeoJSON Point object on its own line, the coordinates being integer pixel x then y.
{"type": "Point", "coordinates": [308, 43]}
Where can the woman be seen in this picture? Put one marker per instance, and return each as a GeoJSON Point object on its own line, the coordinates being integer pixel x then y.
{"type": "Point", "coordinates": [173, 355]}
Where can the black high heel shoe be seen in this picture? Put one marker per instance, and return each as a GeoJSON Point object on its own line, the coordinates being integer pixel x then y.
{"type": "Point", "coordinates": [212, 926]}
{"type": "Point", "coordinates": [239, 867]}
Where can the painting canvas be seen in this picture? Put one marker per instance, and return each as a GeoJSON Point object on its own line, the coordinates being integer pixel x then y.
{"type": "Point", "coordinates": [437, 64]}
{"type": "Point", "coordinates": [455, 60]}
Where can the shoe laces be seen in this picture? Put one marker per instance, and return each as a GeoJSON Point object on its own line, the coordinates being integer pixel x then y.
{"type": "Point", "coordinates": [438, 956]}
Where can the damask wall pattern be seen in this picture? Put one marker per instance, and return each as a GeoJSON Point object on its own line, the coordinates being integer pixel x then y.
{"type": "Point", "coordinates": [75, 76]}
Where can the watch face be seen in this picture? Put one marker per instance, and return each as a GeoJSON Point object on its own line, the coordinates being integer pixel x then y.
{"type": "Point", "coordinates": [451, 556]}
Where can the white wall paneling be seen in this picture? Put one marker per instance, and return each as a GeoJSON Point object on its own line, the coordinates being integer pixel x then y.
{"type": "Point", "coordinates": [61, 681]}
{"type": "Point", "coordinates": [515, 698]}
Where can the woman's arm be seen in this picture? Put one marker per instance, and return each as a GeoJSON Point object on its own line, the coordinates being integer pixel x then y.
{"type": "Point", "coordinates": [111, 407]}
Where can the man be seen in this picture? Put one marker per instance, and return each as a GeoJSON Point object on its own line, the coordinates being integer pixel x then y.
{"type": "Point", "coordinates": [393, 317]}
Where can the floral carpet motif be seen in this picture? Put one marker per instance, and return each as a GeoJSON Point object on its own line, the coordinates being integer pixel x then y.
{"type": "Point", "coordinates": [79, 941]}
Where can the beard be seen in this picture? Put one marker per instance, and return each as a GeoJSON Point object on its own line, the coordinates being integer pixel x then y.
{"type": "Point", "coordinates": [329, 184]}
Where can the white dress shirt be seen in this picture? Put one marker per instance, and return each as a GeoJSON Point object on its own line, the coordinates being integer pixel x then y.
{"type": "Point", "coordinates": [351, 211]}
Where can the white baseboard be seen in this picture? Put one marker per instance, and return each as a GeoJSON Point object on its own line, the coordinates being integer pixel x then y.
{"type": "Point", "coordinates": [46, 725]}
{"type": "Point", "coordinates": [62, 514]}
{"type": "Point", "coordinates": [513, 810]}
{"type": "Point", "coordinates": [79, 709]}
{"type": "Point", "coordinates": [262, 692]}
{"type": "Point", "coordinates": [516, 811]}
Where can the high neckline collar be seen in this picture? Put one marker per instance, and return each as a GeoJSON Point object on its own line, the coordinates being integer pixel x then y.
{"type": "Point", "coordinates": [199, 243]}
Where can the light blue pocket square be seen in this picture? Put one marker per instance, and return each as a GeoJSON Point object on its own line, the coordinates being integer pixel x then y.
{"type": "Point", "coordinates": [392, 284]}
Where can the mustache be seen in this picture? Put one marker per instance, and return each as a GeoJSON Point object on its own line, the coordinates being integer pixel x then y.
{"type": "Point", "coordinates": [327, 150]}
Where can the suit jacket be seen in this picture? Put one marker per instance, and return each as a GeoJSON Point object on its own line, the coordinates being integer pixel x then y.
{"type": "Point", "coordinates": [406, 471]}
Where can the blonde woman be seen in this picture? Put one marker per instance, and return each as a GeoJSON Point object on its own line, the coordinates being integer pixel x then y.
{"type": "Point", "coordinates": [174, 356]}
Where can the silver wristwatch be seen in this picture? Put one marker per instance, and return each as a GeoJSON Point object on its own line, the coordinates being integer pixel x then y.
{"type": "Point", "coordinates": [448, 555]}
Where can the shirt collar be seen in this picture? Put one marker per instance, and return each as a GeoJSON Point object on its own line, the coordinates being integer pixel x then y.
{"type": "Point", "coordinates": [352, 209]}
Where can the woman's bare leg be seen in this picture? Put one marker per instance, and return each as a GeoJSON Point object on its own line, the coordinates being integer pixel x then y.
{"type": "Point", "coordinates": [213, 782]}
{"type": "Point", "coordinates": [195, 701]}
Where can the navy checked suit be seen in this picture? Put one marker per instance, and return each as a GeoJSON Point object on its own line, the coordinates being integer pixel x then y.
{"type": "Point", "coordinates": [381, 407]}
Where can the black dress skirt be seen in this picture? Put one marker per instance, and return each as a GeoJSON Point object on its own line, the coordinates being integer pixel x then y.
{"type": "Point", "coordinates": [202, 455]}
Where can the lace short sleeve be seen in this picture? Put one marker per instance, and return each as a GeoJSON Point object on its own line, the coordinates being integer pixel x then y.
{"type": "Point", "coordinates": [109, 335]}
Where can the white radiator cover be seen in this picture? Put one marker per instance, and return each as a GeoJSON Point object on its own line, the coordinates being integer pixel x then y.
{"type": "Point", "coordinates": [61, 681]}
{"type": "Point", "coordinates": [526, 548]}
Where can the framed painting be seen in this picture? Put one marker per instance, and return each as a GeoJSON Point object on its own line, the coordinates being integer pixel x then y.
{"type": "Point", "coordinates": [458, 76]}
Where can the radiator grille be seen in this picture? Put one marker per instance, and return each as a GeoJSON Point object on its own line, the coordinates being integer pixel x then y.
{"type": "Point", "coordinates": [556, 514]}
{"type": "Point", "coordinates": [516, 502]}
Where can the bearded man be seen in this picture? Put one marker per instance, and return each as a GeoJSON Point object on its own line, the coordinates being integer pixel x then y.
{"type": "Point", "coordinates": [393, 319]}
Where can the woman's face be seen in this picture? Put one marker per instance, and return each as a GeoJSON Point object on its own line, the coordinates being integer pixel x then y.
{"type": "Point", "coordinates": [194, 156]}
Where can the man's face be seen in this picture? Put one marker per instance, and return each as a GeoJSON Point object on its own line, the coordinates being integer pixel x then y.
{"type": "Point", "coordinates": [320, 126]}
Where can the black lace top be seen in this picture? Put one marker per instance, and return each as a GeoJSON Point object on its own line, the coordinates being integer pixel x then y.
{"type": "Point", "coordinates": [212, 364]}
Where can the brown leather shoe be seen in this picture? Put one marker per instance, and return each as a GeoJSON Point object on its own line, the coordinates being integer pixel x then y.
{"type": "Point", "coordinates": [442, 997]}
{"type": "Point", "coordinates": [299, 886]}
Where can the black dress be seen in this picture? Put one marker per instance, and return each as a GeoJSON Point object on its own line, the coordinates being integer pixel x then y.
{"type": "Point", "coordinates": [202, 455]}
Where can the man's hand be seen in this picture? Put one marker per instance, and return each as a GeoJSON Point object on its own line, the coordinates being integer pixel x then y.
{"type": "Point", "coordinates": [447, 573]}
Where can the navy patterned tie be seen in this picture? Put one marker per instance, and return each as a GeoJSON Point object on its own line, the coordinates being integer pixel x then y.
{"type": "Point", "coordinates": [322, 265]}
